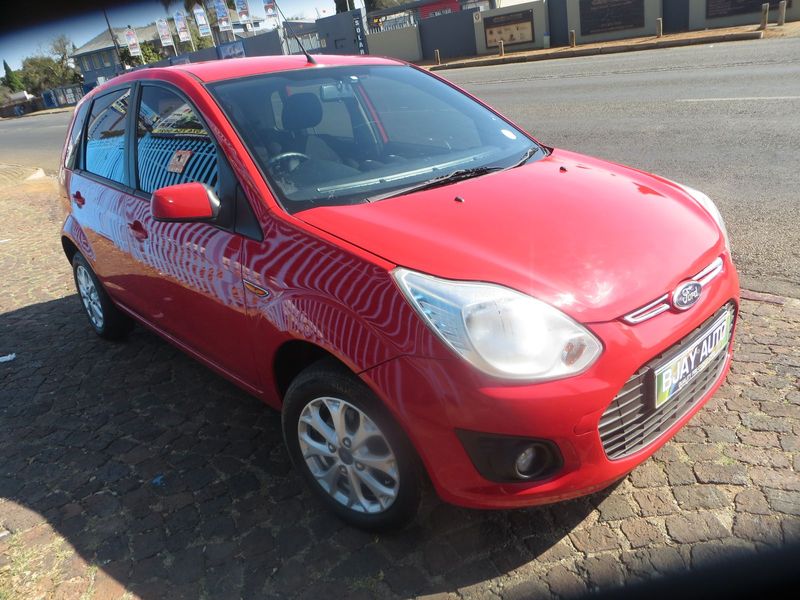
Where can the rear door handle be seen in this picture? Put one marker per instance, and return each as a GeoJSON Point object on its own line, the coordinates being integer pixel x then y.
{"type": "Point", "coordinates": [79, 200]}
{"type": "Point", "coordinates": [139, 232]}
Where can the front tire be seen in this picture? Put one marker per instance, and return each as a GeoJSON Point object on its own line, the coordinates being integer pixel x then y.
{"type": "Point", "coordinates": [106, 319]}
{"type": "Point", "coordinates": [353, 455]}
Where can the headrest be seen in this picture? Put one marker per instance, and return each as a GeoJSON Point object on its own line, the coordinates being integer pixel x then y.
{"type": "Point", "coordinates": [301, 111]}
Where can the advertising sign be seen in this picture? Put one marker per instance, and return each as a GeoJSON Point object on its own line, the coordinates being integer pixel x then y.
{"type": "Point", "coordinates": [361, 38]}
{"type": "Point", "coordinates": [243, 10]}
{"type": "Point", "coordinates": [223, 18]}
{"type": "Point", "coordinates": [511, 28]}
{"type": "Point", "coordinates": [203, 28]}
{"type": "Point", "coordinates": [727, 8]}
{"type": "Point", "coordinates": [132, 42]}
{"type": "Point", "coordinates": [231, 50]}
{"type": "Point", "coordinates": [182, 26]}
{"type": "Point", "coordinates": [601, 16]}
{"type": "Point", "coordinates": [164, 33]}
{"type": "Point", "coordinates": [269, 9]}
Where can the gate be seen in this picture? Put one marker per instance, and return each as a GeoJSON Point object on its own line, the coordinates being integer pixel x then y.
{"type": "Point", "coordinates": [676, 15]}
{"type": "Point", "coordinates": [452, 34]}
{"type": "Point", "coordinates": [559, 28]}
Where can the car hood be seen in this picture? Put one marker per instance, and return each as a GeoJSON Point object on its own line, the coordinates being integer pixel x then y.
{"type": "Point", "coordinates": [592, 238]}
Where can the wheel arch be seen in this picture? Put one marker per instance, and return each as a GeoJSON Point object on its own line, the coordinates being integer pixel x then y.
{"type": "Point", "coordinates": [294, 356]}
{"type": "Point", "coordinates": [70, 249]}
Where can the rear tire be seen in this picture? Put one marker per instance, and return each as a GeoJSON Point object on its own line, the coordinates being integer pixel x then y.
{"type": "Point", "coordinates": [351, 452]}
{"type": "Point", "coordinates": [106, 319]}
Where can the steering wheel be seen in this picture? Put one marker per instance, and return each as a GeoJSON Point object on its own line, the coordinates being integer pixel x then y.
{"type": "Point", "coordinates": [284, 156]}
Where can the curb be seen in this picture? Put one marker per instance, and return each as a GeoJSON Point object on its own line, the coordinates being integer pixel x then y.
{"type": "Point", "coordinates": [48, 111]}
{"type": "Point", "coordinates": [577, 52]}
{"type": "Point", "coordinates": [12, 175]}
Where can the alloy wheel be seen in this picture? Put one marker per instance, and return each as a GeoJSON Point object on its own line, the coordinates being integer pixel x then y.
{"type": "Point", "coordinates": [89, 296]}
{"type": "Point", "coordinates": [348, 455]}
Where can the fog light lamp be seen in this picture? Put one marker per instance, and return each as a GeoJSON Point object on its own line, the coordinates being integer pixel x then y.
{"type": "Point", "coordinates": [525, 460]}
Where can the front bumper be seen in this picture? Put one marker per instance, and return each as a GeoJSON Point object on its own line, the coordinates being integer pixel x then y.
{"type": "Point", "coordinates": [432, 399]}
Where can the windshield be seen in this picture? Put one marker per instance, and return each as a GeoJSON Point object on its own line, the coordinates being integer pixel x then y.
{"type": "Point", "coordinates": [346, 135]}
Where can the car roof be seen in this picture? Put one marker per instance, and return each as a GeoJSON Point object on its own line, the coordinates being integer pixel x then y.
{"type": "Point", "coordinates": [216, 70]}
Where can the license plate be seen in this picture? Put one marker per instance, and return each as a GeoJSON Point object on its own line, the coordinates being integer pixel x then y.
{"type": "Point", "coordinates": [673, 376]}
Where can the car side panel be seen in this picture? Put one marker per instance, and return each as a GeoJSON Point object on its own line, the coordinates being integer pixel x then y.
{"type": "Point", "coordinates": [191, 281]}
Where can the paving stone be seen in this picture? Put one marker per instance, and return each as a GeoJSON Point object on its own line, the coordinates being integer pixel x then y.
{"type": "Point", "coordinates": [595, 538]}
{"type": "Point", "coordinates": [752, 501]}
{"type": "Point", "coordinates": [784, 501]}
{"type": "Point", "coordinates": [527, 589]}
{"type": "Point", "coordinates": [640, 533]}
{"type": "Point", "coordinates": [734, 474]}
{"type": "Point", "coordinates": [614, 508]}
{"type": "Point", "coordinates": [564, 583]}
{"type": "Point", "coordinates": [659, 501]}
{"type": "Point", "coordinates": [695, 527]}
{"type": "Point", "coordinates": [757, 528]}
{"type": "Point", "coordinates": [762, 439]}
{"type": "Point", "coordinates": [691, 497]}
{"type": "Point", "coordinates": [650, 474]}
{"type": "Point", "coordinates": [679, 473]}
{"type": "Point", "coordinates": [706, 554]}
{"type": "Point", "coordinates": [604, 571]}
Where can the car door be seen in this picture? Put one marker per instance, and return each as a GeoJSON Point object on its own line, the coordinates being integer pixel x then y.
{"type": "Point", "coordinates": [98, 190]}
{"type": "Point", "coordinates": [191, 274]}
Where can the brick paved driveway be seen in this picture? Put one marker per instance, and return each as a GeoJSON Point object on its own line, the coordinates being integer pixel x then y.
{"type": "Point", "coordinates": [128, 470]}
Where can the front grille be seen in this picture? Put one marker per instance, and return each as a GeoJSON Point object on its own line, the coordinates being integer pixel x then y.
{"type": "Point", "coordinates": [630, 422]}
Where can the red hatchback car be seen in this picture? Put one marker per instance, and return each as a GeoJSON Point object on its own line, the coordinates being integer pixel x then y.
{"type": "Point", "coordinates": [415, 282]}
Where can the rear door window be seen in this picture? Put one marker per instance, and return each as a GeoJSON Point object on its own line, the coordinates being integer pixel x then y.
{"type": "Point", "coordinates": [105, 136]}
{"type": "Point", "coordinates": [172, 145]}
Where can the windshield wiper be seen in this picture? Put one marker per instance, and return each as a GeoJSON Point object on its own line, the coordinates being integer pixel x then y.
{"type": "Point", "coordinates": [457, 175]}
{"type": "Point", "coordinates": [526, 157]}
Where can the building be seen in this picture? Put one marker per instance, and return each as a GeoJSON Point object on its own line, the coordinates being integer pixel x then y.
{"type": "Point", "coordinates": [407, 14]}
{"type": "Point", "coordinates": [97, 59]}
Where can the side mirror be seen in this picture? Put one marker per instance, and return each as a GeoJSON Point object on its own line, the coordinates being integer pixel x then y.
{"type": "Point", "coordinates": [184, 202]}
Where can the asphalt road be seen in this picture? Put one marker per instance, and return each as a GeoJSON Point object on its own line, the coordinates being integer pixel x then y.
{"type": "Point", "coordinates": [34, 141]}
{"type": "Point", "coordinates": [722, 118]}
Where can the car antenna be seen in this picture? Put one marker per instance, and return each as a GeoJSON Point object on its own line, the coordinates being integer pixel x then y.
{"type": "Point", "coordinates": [309, 58]}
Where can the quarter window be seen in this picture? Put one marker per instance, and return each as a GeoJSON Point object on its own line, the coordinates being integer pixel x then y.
{"type": "Point", "coordinates": [71, 156]}
{"type": "Point", "coordinates": [172, 144]}
{"type": "Point", "coordinates": [105, 137]}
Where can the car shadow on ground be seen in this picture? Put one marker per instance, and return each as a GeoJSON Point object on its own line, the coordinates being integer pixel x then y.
{"type": "Point", "coordinates": [176, 484]}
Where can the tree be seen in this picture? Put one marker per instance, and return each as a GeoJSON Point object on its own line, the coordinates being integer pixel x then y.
{"type": "Point", "coordinates": [41, 73]}
{"type": "Point", "coordinates": [60, 49]}
{"type": "Point", "coordinates": [12, 79]}
{"type": "Point", "coordinates": [150, 53]}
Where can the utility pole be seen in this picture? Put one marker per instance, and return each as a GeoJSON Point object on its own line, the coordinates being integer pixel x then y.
{"type": "Point", "coordinates": [113, 39]}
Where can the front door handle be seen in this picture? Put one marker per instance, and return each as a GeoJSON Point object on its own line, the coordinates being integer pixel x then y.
{"type": "Point", "coordinates": [138, 230]}
{"type": "Point", "coordinates": [79, 200]}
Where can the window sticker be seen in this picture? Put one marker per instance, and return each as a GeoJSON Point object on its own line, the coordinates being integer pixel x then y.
{"type": "Point", "coordinates": [179, 160]}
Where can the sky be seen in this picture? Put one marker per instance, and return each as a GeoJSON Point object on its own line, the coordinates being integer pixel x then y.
{"type": "Point", "coordinates": [17, 45]}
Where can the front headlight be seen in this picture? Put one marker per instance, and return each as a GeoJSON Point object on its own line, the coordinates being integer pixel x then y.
{"type": "Point", "coordinates": [500, 331]}
{"type": "Point", "coordinates": [711, 209]}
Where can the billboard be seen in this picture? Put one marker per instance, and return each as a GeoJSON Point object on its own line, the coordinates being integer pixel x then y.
{"type": "Point", "coordinates": [511, 28]}
{"type": "Point", "coordinates": [203, 28]}
{"type": "Point", "coordinates": [132, 42]}
{"type": "Point", "coordinates": [602, 16]}
{"type": "Point", "coordinates": [164, 34]}
{"type": "Point", "coordinates": [243, 11]}
{"type": "Point", "coordinates": [183, 27]}
{"type": "Point", "coordinates": [223, 18]}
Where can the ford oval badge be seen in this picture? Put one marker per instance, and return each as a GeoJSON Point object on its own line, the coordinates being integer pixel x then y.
{"type": "Point", "coordinates": [686, 295]}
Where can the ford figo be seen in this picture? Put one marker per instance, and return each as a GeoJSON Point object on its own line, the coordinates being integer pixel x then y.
{"type": "Point", "coordinates": [424, 290]}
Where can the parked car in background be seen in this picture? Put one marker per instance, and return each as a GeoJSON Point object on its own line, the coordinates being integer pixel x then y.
{"type": "Point", "coordinates": [421, 287]}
